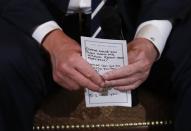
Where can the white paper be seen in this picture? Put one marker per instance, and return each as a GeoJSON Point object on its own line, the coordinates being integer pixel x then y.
{"type": "Point", "coordinates": [105, 55]}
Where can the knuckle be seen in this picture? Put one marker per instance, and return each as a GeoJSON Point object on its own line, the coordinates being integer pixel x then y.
{"type": "Point", "coordinates": [56, 77]}
{"type": "Point", "coordinates": [72, 60]}
{"type": "Point", "coordinates": [62, 69]}
{"type": "Point", "coordinates": [89, 76]}
{"type": "Point", "coordinates": [62, 66]}
{"type": "Point", "coordinates": [145, 66]}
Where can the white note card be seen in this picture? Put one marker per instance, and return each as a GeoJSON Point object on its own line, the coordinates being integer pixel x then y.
{"type": "Point", "coordinates": [105, 55]}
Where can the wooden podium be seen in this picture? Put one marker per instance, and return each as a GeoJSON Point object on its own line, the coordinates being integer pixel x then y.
{"type": "Point", "coordinates": [66, 111]}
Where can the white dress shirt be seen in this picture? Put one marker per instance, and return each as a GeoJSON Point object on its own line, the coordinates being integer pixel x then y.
{"type": "Point", "coordinates": [157, 31]}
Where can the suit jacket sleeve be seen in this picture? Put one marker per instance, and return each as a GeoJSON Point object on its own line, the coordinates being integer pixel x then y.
{"type": "Point", "coordinates": [28, 14]}
{"type": "Point", "coordinates": [164, 10]}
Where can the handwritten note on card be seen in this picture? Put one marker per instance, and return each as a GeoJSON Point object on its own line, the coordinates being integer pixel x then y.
{"type": "Point", "coordinates": [105, 55]}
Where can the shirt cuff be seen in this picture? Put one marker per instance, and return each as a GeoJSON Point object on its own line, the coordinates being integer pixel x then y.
{"type": "Point", "coordinates": [157, 31]}
{"type": "Point", "coordinates": [42, 30]}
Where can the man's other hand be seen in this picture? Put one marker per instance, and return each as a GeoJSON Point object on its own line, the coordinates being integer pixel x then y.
{"type": "Point", "coordinates": [141, 56]}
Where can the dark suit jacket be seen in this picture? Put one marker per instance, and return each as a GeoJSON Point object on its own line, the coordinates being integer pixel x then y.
{"type": "Point", "coordinates": [26, 15]}
{"type": "Point", "coordinates": [134, 12]}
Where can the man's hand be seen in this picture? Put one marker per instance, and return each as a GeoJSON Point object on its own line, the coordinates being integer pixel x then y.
{"type": "Point", "coordinates": [70, 70]}
{"type": "Point", "coordinates": [141, 54]}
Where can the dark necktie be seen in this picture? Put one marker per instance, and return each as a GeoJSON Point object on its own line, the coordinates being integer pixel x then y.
{"type": "Point", "coordinates": [105, 20]}
{"type": "Point", "coordinates": [96, 30]}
